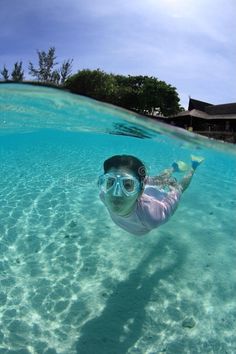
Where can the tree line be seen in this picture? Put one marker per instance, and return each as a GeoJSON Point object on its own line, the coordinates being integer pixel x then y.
{"type": "Point", "coordinates": [47, 71]}
{"type": "Point", "coordinates": [143, 94]}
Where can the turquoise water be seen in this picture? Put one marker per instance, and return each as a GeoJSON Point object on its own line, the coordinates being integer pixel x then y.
{"type": "Point", "coordinates": [73, 282]}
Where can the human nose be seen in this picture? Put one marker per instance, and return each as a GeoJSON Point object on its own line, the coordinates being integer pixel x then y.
{"type": "Point", "coordinates": [117, 192]}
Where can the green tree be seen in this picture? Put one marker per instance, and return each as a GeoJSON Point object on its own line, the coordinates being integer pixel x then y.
{"type": "Point", "coordinates": [65, 70]}
{"type": "Point", "coordinates": [142, 94]}
{"type": "Point", "coordinates": [129, 91]}
{"type": "Point", "coordinates": [168, 99]}
{"type": "Point", "coordinates": [17, 73]}
{"type": "Point", "coordinates": [93, 83]}
{"type": "Point", "coordinates": [47, 70]}
{"type": "Point", "coordinates": [46, 63]}
{"type": "Point", "coordinates": [55, 77]}
{"type": "Point", "coordinates": [5, 73]}
{"type": "Point", "coordinates": [158, 96]}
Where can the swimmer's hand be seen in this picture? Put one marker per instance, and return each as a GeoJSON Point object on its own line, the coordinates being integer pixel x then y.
{"type": "Point", "coordinates": [196, 161]}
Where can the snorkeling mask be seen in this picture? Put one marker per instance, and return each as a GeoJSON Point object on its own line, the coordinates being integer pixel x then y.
{"type": "Point", "coordinates": [119, 185]}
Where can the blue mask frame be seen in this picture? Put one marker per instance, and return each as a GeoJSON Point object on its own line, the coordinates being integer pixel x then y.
{"type": "Point", "coordinates": [119, 185]}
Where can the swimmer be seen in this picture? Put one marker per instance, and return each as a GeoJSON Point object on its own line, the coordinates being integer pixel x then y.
{"type": "Point", "coordinates": [138, 203]}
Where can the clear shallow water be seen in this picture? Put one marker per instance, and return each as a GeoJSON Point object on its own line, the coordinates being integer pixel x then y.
{"type": "Point", "coordinates": [73, 282]}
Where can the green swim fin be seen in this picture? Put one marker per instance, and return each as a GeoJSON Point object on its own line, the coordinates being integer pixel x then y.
{"type": "Point", "coordinates": [196, 161]}
{"type": "Point", "coordinates": [180, 166]}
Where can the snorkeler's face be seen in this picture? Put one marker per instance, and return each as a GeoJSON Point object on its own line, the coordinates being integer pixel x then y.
{"type": "Point", "coordinates": [122, 189]}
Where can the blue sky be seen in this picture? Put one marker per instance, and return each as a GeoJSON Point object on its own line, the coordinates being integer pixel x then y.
{"type": "Point", "coordinates": [190, 44]}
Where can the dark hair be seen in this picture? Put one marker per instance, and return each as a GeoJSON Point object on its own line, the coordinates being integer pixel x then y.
{"type": "Point", "coordinates": [130, 162]}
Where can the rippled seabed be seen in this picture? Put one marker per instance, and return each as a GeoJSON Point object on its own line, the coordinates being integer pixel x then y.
{"type": "Point", "coordinates": [73, 282]}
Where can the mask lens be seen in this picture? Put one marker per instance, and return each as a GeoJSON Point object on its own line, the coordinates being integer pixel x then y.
{"type": "Point", "coordinates": [128, 184]}
{"type": "Point", "coordinates": [109, 182]}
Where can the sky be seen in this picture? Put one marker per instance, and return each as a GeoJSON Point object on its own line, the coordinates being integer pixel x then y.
{"type": "Point", "coordinates": [189, 44]}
